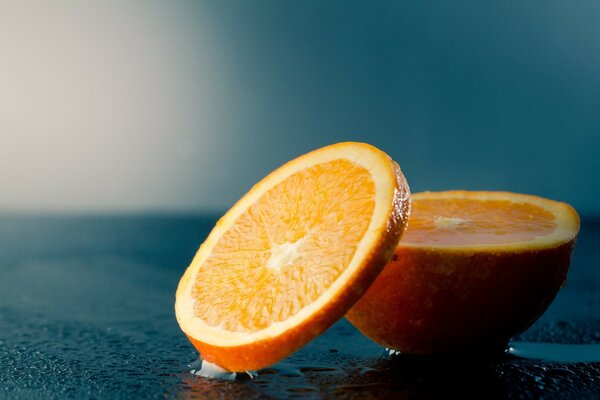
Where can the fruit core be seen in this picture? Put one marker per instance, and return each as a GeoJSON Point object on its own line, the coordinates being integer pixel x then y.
{"type": "Point", "coordinates": [285, 254]}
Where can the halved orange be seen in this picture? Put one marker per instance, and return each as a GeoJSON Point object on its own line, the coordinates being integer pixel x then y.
{"type": "Point", "coordinates": [472, 270]}
{"type": "Point", "coordinates": [293, 255]}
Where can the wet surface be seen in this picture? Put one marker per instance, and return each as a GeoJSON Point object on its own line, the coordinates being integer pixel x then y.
{"type": "Point", "coordinates": [86, 311]}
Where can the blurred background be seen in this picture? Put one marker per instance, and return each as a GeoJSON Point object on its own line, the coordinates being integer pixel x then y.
{"type": "Point", "coordinates": [155, 106]}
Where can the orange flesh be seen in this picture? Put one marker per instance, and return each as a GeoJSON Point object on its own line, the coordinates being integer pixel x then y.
{"type": "Point", "coordinates": [460, 221]}
{"type": "Point", "coordinates": [264, 254]}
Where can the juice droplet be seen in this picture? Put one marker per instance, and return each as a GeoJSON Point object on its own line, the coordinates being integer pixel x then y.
{"type": "Point", "coordinates": [391, 352]}
{"type": "Point", "coordinates": [213, 371]}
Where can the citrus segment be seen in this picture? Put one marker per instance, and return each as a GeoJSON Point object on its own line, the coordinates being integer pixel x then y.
{"type": "Point", "coordinates": [472, 270]}
{"type": "Point", "coordinates": [293, 255]}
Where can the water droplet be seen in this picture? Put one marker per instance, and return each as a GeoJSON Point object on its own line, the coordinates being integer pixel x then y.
{"type": "Point", "coordinates": [559, 372]}
{"type": "Point", "coordinates": [317, 368]}
{"type": "Point", "coordinates": [303, 389]}
{"type": "Point", "coordinates": [282, 369]}
{"type": "Point", "coordinates": [367, 371]}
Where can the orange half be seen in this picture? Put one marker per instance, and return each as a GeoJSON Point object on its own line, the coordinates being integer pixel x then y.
{"type": "Point", "coordinates": [293, 255]}
{"type": "Point", "coordinates": [472, 270]}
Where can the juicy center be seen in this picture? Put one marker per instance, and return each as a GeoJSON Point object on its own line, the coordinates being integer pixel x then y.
{"type": "Point", "coordinates": [284, 254]}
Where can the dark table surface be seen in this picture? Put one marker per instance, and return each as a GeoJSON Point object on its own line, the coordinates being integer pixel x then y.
{"type": "Point", "coordinates": [86, 311]}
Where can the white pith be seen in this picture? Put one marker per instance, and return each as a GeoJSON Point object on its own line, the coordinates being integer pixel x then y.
{"type": "Point", "coordinates": [284, 254]}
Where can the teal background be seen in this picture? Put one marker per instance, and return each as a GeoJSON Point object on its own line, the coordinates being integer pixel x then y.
{"type": "Point", "coordinates": [182, 106]}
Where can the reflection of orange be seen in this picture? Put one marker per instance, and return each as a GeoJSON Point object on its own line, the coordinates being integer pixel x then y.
{"type": "Point", "coordinates": [293, 255]}
{"type": "Point", "coordinates": [472, 270]}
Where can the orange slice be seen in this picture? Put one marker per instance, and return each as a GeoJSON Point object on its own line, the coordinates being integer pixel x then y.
{"type": "Point", "coordinates": [292, 255]}
{"type": "Point", "coordinates": [472, 270]}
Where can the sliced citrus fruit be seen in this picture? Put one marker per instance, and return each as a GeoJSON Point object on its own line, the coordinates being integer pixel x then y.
{"type": "Point", "coordinates": [472, 270]}
{"type": "Point", "coordinates": [292, 255]}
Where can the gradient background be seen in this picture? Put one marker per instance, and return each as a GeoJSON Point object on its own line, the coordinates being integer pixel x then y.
{"type": "Point", "coordinates": [181, 106]}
